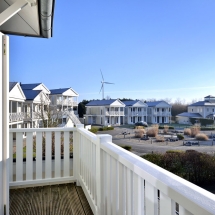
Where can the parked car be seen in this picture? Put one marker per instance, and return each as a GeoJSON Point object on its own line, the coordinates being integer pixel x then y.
{"type": "Point", "coordinates": [141, 123]}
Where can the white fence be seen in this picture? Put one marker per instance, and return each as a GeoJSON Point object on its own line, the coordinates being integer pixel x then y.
{"type": "Point", "coordinates": [114, 180]}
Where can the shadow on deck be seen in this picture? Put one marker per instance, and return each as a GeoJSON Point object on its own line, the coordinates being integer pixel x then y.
{"type": "Point", "coordinates": [47, 200]}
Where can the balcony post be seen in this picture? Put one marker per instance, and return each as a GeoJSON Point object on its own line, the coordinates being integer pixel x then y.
{"type": "Point", "coordinates": [103, 138]}
{"type": "Point", "coordinates": [76, 154]}
{"type": "Point", "coordinates": [4, 124]}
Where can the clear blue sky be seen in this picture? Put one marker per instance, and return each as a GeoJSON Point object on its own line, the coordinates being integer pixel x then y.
{"type": "Point", "coordinates": [148, 48]}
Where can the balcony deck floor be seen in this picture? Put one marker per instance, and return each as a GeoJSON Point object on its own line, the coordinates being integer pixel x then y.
{"type": "Point", "coordinates": [47, 200]}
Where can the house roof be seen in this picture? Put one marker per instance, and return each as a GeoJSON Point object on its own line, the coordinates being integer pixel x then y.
{"type": "Point", "coordinates": [29, 86]}
{"type": "Point", "coordinates": [203, 103]}
{"type": "Point", "coordinates": [59, 91]}
{"type": "Point", "coordinates": [190, 115]}
{"type": "Point", "coordinates": [132, 102]}
{"type": "Point", "coordinates": [209, 96]}
{"type": "Point", "coordinates": [12, 85]}
{"type": "Point", "coordinates": [153, 104]}
{"type": "Point", "coordinates": [101, 102]}
{"type": "Point", "coordinates": [31, 94]}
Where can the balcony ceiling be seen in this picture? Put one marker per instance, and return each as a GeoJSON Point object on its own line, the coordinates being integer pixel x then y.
{"type": "Point", "coordinates": [36, 21]}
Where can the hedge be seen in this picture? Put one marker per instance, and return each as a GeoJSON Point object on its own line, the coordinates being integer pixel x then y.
{"type": "Point", "coordinates": [203, 122]}
{"type": "Point", "coordinates": [191, 165]}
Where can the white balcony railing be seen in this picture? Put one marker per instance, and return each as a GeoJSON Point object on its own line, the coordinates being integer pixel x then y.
{"type": "Point", "coordinates": [114, 113]}
{"type": "Point", "coordinates": [34, 115]}
{"type": "Point", "coordinates": [114, 180]}
{"type": "Point", "coordinates": [67, 102]}
{"type": "Point", "coordinates": [137, 113]}
{"type": "Point", "coordinates": [15, 117]}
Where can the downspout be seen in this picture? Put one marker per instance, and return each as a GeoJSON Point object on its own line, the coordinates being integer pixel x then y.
{"type": "Point", "coordinates": [46, 11]}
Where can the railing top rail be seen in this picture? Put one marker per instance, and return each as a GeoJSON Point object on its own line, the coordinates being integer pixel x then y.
{"type": "Point", "coordinates": [42, 129]}
{"type": "Point", "coordinates": [182, 191]}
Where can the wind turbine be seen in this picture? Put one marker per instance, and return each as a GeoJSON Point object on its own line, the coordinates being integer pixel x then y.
{"type": "Point", "coordinates": [102, 87]}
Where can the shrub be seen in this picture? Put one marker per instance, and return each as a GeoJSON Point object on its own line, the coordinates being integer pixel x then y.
{"type": "Point", "coordinates": [106, 128]}
{"type": "Point", "coordinates": [152, 131]}
{"type": "Point", "coordinates": [160, 139]}
{"type": "Point", "coordinates": [194, 131]}
{"type": "Point", "coordinates": [187, 131]}
{"type": "Point", "coordinates": [175, 151]}
{"type": "Point", "coordinates": [162, 127]}
{"type": "Point", "coordinates": [139, 127]}
{"type": "Point", "coordinates": [208, 129]}
{"type": "Point", "coordinates": [165, 129]}
{"type": "Point", "coordinates": [126, 147]}
{"type": "Point", "coordinates": [180, 136]}
{"type": "Point", "coordinates": [139, 133]}
{"type": "Point", "coordinates": [201, 136]}
{"type": "Point", "coordinates": [93, 130]}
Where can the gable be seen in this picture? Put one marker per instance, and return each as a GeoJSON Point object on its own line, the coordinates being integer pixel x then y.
{"type": "Point", "coordinates": [140, 104]}
{"type": "Point", "coordinates": [41, 98]}
{"type": "Point", "coordinates": [163, 104]}
{"type": "Point", "coordinates": [117, 103]}
{"type": "Point", "coordinates": [70, 92]}
{"type": "Point", "coordinates": [16, 94]}
{"type": "Point", "coordinates": [43, 88]}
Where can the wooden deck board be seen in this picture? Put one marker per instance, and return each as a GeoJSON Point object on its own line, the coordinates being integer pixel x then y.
{"type": "Point", "coordinates": [62, 199]}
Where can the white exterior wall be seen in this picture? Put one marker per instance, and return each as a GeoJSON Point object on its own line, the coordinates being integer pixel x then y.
{"type": "Point", "coordinates": [203, 110]}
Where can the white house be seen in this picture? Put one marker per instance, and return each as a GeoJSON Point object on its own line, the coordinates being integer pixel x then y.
{"type": "Point", "coordinates": [201, 109]}
{"type": "Point", "coordinates": [35, 105]}
{"type": "Point", "coordinates": [16, 107]}
{"type": "Point", "coordinates": [159, 112]}
{"type": "Point", "coordinates": [105, 112]}
{"type": "Point", "coordinates": [135, 110]}
{"type": "Point", "coordinates": [66, 101]}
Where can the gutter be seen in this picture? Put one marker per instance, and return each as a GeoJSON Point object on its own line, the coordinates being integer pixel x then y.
{"type": "Point", "coordinates": [46, 14]}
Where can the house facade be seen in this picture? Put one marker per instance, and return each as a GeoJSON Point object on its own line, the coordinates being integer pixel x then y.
{"type": "Point", "coordinates": [135, 111]}
{"type": "Point", "coordinates": [159, 112]}
{"type": "Point", "coordinates": [201, 109]}
{"type": "Point", "coordinates": [105, 112]}
{"type": "Point", "coordinates": [16, 105]}
{"type": "Point", "coordinates": [35, 105]}
{"type": "Point", "coordinates": [65, 100]}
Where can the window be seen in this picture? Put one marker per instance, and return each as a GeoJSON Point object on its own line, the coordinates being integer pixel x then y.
{"type": "Point", "coordinates": [131, 119]}
{"type": "Point", "coordinates": [162, 109]}
{"type": "Point", "coordinates": [191, 110]}
{"type": "Point", "coordinates": [157, 109]}
{"type": "Point", "coordinates": [108, 120]}
{"type": "Point", "coordinates": [207, 109]}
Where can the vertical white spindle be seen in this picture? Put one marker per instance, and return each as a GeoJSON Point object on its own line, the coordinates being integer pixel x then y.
{"type": "Point", "coordinates": [122, 191]}
{"type": "Point", "coordinates": [103, 185]}
{"type": "Point", "coordinates": [108, 177]}
{"type": "Point", "coordinates": [57, 154]}
{"type": "Point", "coordinates": [165, 204]}
{"type": "Point", "coordinates": [11, 155]}
{"type": "Point", "coordinates": [128, 192]}
{"type": "Point", "coordinates": [19, 156]}
{"type": "Point", "coordinates": [137, 195]}
{"type": "Point", "coordinates": [48, 159]}
{"type": "Point", "coordinates": [39, 155]}
{"type": "Point", "coordinates": [151, 199]}
{"type": "Point", "coordinates": [114, 186]}
{"type": "Point", "coordinates": [66, 160]}
{"type": "Point", "coordinates": [183, 211]}
{"type": "Point", "coordinates": [29, 156]}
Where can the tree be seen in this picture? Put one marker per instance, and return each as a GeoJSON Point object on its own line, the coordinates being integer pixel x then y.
{"type": "Point", "coordinates": [82, 108]}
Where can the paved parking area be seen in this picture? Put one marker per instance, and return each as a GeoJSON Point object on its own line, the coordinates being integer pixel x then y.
{"type": "Point", "coordinates": [141, 147]}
